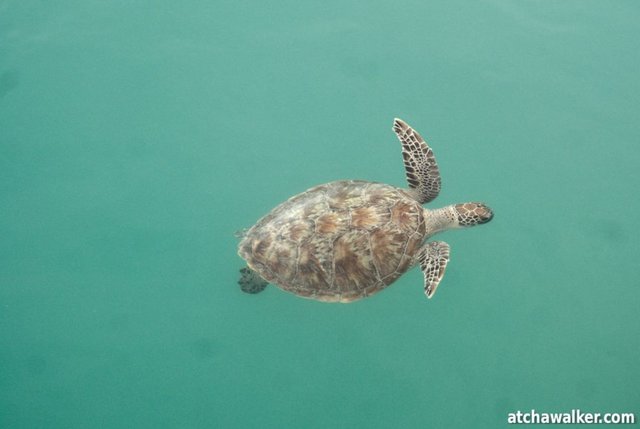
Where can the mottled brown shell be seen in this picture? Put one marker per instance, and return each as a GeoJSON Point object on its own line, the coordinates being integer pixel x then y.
{"type": "Point", "coordinates": [341, 241]}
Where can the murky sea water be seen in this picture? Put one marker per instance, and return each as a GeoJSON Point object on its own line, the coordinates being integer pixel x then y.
{"type": "Point", "coordinates": [137, 137]}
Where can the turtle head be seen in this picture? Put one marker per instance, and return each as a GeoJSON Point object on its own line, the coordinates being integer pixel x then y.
{"type": "Point", "coordinates": [471, 214]}
{"type": "Point", "coordinates": [456, 216]}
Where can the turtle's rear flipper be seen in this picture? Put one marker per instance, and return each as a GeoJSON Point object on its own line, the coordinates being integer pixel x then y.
{"type": "Point", "coordinates": [251, 282]}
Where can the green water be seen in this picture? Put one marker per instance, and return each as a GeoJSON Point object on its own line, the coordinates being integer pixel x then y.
{"type": "Point", "coordinates": [137, 136]}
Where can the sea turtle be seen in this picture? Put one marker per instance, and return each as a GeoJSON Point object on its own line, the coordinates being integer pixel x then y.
{"type": "Point", "coordinates": [346, 240]}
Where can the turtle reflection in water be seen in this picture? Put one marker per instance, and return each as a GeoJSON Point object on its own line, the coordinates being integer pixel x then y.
{"type": "Point", "coordinates": [346, 240]}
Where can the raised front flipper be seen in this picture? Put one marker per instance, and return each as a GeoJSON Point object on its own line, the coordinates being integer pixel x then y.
{"type": "Point", "coordinates": [420, 164]}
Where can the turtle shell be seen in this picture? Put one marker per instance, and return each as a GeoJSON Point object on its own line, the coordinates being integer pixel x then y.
{"type": "Point", "coordinates": [341, 241]}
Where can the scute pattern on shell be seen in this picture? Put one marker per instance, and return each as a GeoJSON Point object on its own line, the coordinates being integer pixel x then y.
{"type": "Point", "coordinates": [340, 241]}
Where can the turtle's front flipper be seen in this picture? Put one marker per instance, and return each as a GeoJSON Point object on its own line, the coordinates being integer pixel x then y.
{"type": "Point", "coordinates": [420, 164]}
{"type": "Point", "coordinates": [250, 281]}
{"type": "Point", "coordinates": [433, 258]}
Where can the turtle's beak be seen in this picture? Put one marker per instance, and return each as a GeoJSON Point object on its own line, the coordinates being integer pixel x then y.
{"type": "Point", "coordinates": [485, 214]}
